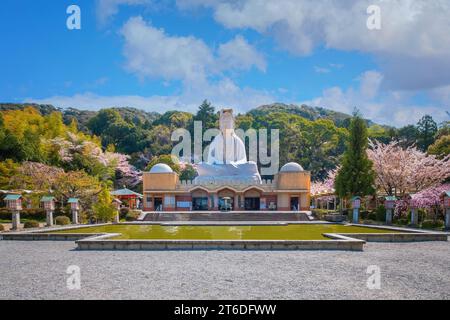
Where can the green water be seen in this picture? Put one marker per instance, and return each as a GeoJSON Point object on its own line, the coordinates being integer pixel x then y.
{"type": "Point", "coordinates": [286, 232]}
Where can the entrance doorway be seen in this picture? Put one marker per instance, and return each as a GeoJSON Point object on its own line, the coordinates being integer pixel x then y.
{"type": "Point", "coordinates": [158, 204]}
{"type": "Point", "coordinates": [200, 204]}
{"type": "Point", "coordinates": [252, 204]}
{"type": "Point", "coordinates": [294, 204]}
{"type": "Point", "coordinates": [226, 203]}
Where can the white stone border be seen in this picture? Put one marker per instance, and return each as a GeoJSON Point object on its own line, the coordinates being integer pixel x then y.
{"type": "Point", "coordinates": [339, 241]}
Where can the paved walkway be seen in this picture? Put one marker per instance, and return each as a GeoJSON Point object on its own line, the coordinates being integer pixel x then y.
{"type": "Point", "coordinates": [37, 270]}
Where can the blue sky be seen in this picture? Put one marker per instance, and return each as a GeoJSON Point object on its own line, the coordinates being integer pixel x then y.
{"type": "Point", "coordinates": [163, 55]}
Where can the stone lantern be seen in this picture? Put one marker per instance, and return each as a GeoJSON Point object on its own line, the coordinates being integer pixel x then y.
{"type": "Point", "coordinates": [14, 203]}
{"type": "Point", "coordinates": [414, 213]}
{"type": "Point", "coordinates": [117, 203]}
{"type": "Point", "coordinates": [356, 204]}
{"type": "Point", "coordinates": [74, 208]}
{"type": "Point", "coordinates": [446, 202]}
{"type": "Point", "coordinates": [389, 203]}
{"type": "Point", "coordinates": [49, 207]}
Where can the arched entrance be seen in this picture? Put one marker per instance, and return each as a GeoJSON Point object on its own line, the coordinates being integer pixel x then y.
{"type": "Point", "coordinates": [199, 200]}
{"type": "Point", "coordinates": [252, 200]}
{"type": "Point", "coordinates": [226, 199]}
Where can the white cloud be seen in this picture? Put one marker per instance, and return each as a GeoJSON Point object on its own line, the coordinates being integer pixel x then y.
{"type": "Point", "coordinates": [224, 93]}
{"type": "Point", "coordinates": [109, 8]}
{"type": "Point", "coordinates": [203, 71]}
{"type": "Point", "coordinates": [321, 69]}
{"type": "Point", "coordinates": [413, 32]}
{"type": "Point", "coordinates": [239, 54]}
{"type": "Point", "coordinates": [151, 52]}
{"type": "Point", "coordinates": [393, 108]}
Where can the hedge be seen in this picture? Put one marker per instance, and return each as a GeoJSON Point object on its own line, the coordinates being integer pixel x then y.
{"type": "Point", "coordinates": [31, 224]}
{"type": "Point", "coordinates": [29, 214]}
{"type": "Point", "coordinates": [62, 220]}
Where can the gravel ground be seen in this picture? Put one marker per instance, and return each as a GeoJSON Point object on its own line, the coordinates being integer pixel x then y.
{"type": "Point", "coordinates": [37, 270]}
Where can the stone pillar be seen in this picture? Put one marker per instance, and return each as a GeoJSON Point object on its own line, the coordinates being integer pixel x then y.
{"type": "Point", "coordinates": [414, 217]}
{"type": "Point", "coordinates": [75, 217]}
{"type": "Point", "coordinates": [49, 218]}
{"type": "Point", "coordinates": [16, 220]}
{"type": "Point", "coordinates": [447, 218]}
{"type": "Point", "coordinates": [356, 215]}
{"type": "Point", "coordinates": [236, 202]}
{"type": "Point", "coordinates": [388, 216]}
{"type": "Point", "coordinates": [216, 201]}
{"type": "Point", "coordinates": [117, 217]}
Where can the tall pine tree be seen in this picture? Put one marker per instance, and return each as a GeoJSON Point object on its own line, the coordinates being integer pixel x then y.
{"type": "Point", "coordinates": [356, 176]}
{"type": "Point", "coordinates": [427, 129]}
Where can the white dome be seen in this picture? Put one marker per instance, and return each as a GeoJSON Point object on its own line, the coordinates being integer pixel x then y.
{"type": "Point", "coordinates": [291, 167]}
{"type": "Point", "coordinates": [161, 168]}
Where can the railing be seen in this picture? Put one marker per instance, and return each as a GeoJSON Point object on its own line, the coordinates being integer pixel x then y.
{"type": "Point", "coordinates": [186, 184]}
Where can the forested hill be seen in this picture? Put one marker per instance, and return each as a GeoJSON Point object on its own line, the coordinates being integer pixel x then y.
{"type": "Point", "coordinates": [310, 113]}
{"type": "Point", "coordinates": [82, 117]}
{"type": "Point", "coordinates": [314, 137]}
{"type": "Point", "coordinates": [140, 116]}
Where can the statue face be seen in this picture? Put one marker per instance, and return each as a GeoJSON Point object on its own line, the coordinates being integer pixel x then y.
{"type": "Point", "coordinates": [226, 120]}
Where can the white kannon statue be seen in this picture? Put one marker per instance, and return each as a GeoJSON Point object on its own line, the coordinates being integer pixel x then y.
{"type": "Point", "coordinates": [227, 147]}
{"type": "Point", "coordinates": [227, 160]}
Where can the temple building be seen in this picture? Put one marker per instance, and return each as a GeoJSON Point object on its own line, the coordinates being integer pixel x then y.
{"type": "Point", "coordinates": [227, 181]}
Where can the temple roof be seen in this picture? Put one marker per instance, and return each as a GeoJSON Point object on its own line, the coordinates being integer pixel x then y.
{"type": "Point", "coordinates": [125, 192]}
{"type": "Point", "coordinates": [47, 198]}
{"type": "Point", "coordinates": [13, 197]}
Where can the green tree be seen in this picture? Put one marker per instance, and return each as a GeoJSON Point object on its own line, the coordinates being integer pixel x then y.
{"type": "Point", "coordinates": [408, 135]}
{"type": "Point", "coordinates": [207, 115]}
{"type": "Point", "coordinates": [356, 176]}
{"type": "Point", "coordinates": [441, 147]}
{"type": "Point", "coordinates": [427, 129]}
{"type": "Point", "coordinates": [188, 173]}
{"type": "Point", "coordinates": [104, 209]}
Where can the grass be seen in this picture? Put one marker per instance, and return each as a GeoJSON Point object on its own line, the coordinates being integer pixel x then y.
{"type": "Point", "coordinates": [288, 232]}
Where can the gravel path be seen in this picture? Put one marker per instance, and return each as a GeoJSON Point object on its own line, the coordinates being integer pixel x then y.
{"type": "Point", "coordinates": [37, 270]}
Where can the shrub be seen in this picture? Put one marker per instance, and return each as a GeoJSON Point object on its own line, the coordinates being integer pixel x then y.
{"type": "Point", "coordinates": [402, 221]}
{"type": "Point", "coordinates": [372, 216]}
{"type": "Point", "coordinates": [62, 220]}
{"type": "Point", "coordinates": [132, 216]}
{"type": "Point", "coordinates": [31, 224]}
{"type": "Point", "coordinates": [432, 224]}
{"type": "Point", "coordinates": [123, 212]}
{"type": "Point", "coordinates": [381, 213]}
{"type": "Point", "coordinates": [2, 228]}
{"type": "Point", "coordinates": [30, 214]}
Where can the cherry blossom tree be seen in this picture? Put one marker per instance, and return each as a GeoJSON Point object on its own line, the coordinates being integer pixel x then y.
{"type": "Point", "coordinates": [401, 171]}
{"type": "Point", "coordinates": [430, 197]}
{"type": "Point", "coordinates": [325, 186]}
{"type": "Point", "coordinates": [68, 148]}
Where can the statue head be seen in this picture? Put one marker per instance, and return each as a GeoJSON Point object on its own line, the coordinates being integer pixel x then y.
{"type": "Point", "coordinates": [226, 120]}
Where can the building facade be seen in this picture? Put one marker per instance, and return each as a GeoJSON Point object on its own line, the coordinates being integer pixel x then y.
{"type": "Point", "coordinates": [288, 191]}
{"type": "Point", "coordinates": [227, 181]}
